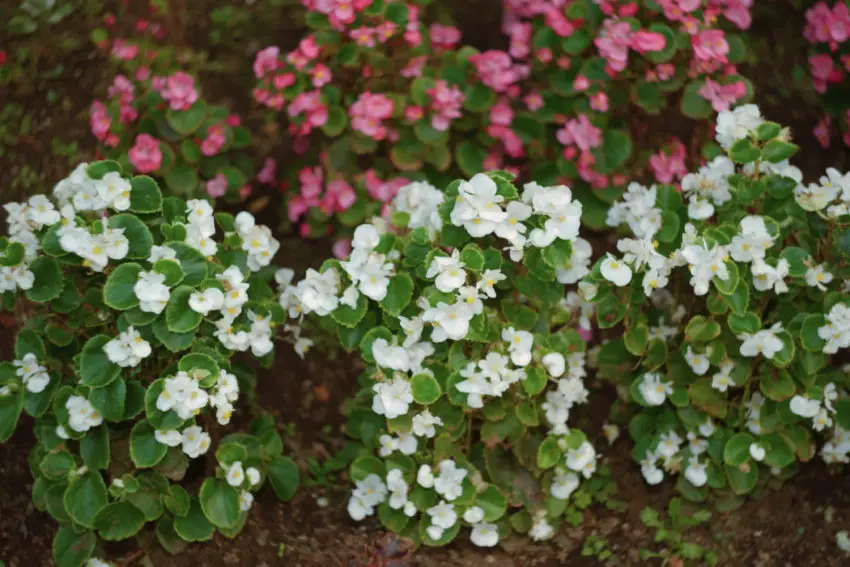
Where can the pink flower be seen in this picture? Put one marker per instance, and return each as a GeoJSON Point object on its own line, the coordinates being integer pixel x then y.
{"type": "Point", "coordinates": [214, 141]}
{"type": "Point", "coordinates": [827, 26]}
{"type": "Point", "coordinates": [99, 120]}
{"type": "Point", "coordinates": [341, 195]}
{"type": "Point", "coordinates": [599, 101]}
{"type": "Point", "coordinates": [217, 186]}
{"type": "Point", "coordinates": [446, 103]}
{"type": "Point", "coordinates": [311, 183]}
{"type": "Point", "coordinates": [145, 155]}
{"type": "Point", "coordinates": [321, 75]}
{"type": "Point", "coordinates": [122, 88]}
{"type": "Point", "coordinates": [738, 12]}
{"type": "Point", "coordinates": [821, 132]}
{"type": "Point", "coordinates": [233, 120]}
{"type": "Point", "coordinates": [310, 105]}
{"type": "Point", "coordinates": [668, 167]}
{"type": "Point", "coordinates": [385, 31]}
{"type": "Point", "coordinates": [520, 34]}
{"type": "Point", "coordinates": [544, 55]}
{"type": "Point", "coordinates": [824, 71]}
{"type": "Point", "coordinates": [267, 174]}
{"type": "Point", "coordinates": [296, 208]}
{"type": "Point", "coordinates": [613, 43]}
{"type": "Point", "coordinates": [180, 91]}
{"type": "Point", "coordinates": [560, 25]}
{"type": "Point", "coordinates": [444, 37]}
{"type": "Point", "coordinates": [342, 248]}
{"type": "Point", "coordinates": [368, 113]}
{"type": "Point", "coordinates": [382, 191]}
{"type": "Point", "coordinates": [720, 96]}
{"type": "Point", "coordinates": [581, 132]}
{"type": "Point", "coordinates": [143, 74]}
{"type": "Point", "coordinates": [414, 67]}
{"type": "Point", "coordinates": [534, 101]}
{"type": "Point", "coordinates": [127, 114]}
{"type": "Point", "coordinates": [413, 113]}
{"type": "Point", "coordinates": [495, 69]}
{"type": "Point", "coordinates": [266, 60]}
{"type": "Point", "coordinates": [284, 80]}
{"type": "Point", "coordinates": [308, 47]}
{"type": "Point", "coordinates": [710, 45]}
{"type": "Point", "coordinates": [363, 36]}
{"type": "Point", "coordinates": [123, 50]}
{"type": "Point", "coordinates": [643, 41]}
{"type": "Point", "coordinates": [501, 114]}
{"type": "Point", "coordinates": [581, 83]}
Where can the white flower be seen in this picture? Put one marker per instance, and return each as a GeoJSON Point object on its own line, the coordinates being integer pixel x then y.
{"type": "Point", "coordinates": [317, 292]}
{"type": "Point", "coordinates": [804, 406]}
{"type": "Point", "coordinates": [425, 476]}
{"type": "Point", "coordinates": [442, 515]}
{"type": "Point", "coordinates": [390, 356]}
{"type": "Point", "coordinates": [235, 474]}
{"type": "Point", "coordinates": [766, 277]}
{"type": "Point", "coordinates": [41, 212]}
{"type": "Point", "coordinates": [96, 562]}
{"type": "Point", "coordinates": [211, 299]}
{"type": "Point", "coordinates": [392, 399]}
{"type": "Point", "coordinates": [450, 321]}
{"type": "Point", "coordinates": [650, 471]}
{"type": "Point", "coordinates": [484, 535]}
{"type": "Point", "coordinates": [477, 207]}
{"type": "Point", "coordinates": [158, 253]}
{"type": "Point", "coordinates": [449, 272]}
{"type": "Point", "coordinates": [199, 213]}
{"type": "Point", "coordinates": [421, 201]}
{"type": "Point", "coordinates": [733, 125]}
{"type": "Point", "coordinates": [151, 291]}
{"type": "Point", "coordinates": [424, 424]}
{"type": "Point", "coordinates": [246, 500]}
{"type": "Point", "coordinates": [669, 443]}
{"type": "Point", "coordinates": [583, 459]}
{"type": "Point", "coordinates": [653, 390]}
{"type": "Point", "coordinates": [698, 362]}
{"type": "Point", "coordinates": [128, 349]}
{"type": "Point", "coordinates": [519, 345]}
{"type": "Point", "coordinates": [367, 494]}
{"type": "Point", "coordinates": [449, 483]}
{"type": "Point", "coordinates": [563, 485]}
{"type": "Point", "coordinates": [555, 364]}
{"type": "Point", "coordinates": [512, 225]}
{"type": "Point", "coordinates": [114, 190]}
{"type": "Point", "coordinates": [757, 452]}
{"type": "Point", "coordinates": [473, 514]}
{"type": "Point", "coordinates": [196, 441]}
{"type": "Point", "coordinates": [615, 271]}
{"type": "Point", "coordinates": [764, 342]}
{"type": "Point", "coordinates": [34, 376]}
{"type": "Point", "coordinates": [541, 529]}
{"type": "Point", "coordinates": [696, 472]}
{"type": "Point", "coordinates": [722, 380]}
{"type": "Point", "coordinates": [397, 488]}
{"type": "Point", "coordinates": [172, 437]}
{"type": "Point", "coordinates": [81, 414]}
{"type": "Point", "coordinates": [818, 277]}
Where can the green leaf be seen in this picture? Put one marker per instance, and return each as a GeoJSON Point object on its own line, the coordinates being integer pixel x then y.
{"type": "Point", "coordinates": [426, 389]}
{"type": "Point", "coordinates": [167, 536]}
{"type": "Point", "coordinates": [84, 498]}
{"type": "Point", "coordinates": [797, 261]}
{"type": "Point", "coordinates": [776, 151]}
{"type": "Point", "coordinates": [393, 520]}
{"type": "Point", "coordinates": [742, 479]}
{"type": "Point", "coordinates": [118, 521]}
{"type": "Point", "coordinates": [479, 97]}
{"type": "Point", "coordinates": [175, 342]}
{"type": "Point", "coordinates": [179, 317]}
{"type": "Point", "coordinates": [284, 477]}
{"type": "Point", "coordinates": [693, 105]}
{"type": "Point", "coordinates": [767, 130]}
{"type": "Point", "coordinates": [493, 502]}
{"type": "Point", "coordinates": [809, 337]}
{"type": "Point", "coordinates": [98, 169]}
{"type": "Point", "coordinates": [470, 157]}
{"type": "Point", "coordinates": [185, 122]}
{"type": "Point", "coordinates": [636, 338]}
{"type": "Point", "coordinates": [163, 421]}
{"type": "Point", "coordinates": [549, 454]}
{"type": "Point", "coordinates": [193, 262]}
{"type": "Point", "coordinates": [615, 151]}
{"type": "Point", "coordinates": [145, 196]}
{"type": "Point", "coordinates": [140, 237]}
{"type": "Point", "coordinates": [706, 398]}
{"type": "Point", "coordinates": [56, 466]}
{"type": "Point", "coordinates": [700, 329]}
{"type": "Point", "coordinates": [348, 317]}
{"type": "Point", "coordinates": [182, 180]}
{"type": "Point", "coordinates": [364, 466]}
{"type": "Point", "coordinates": [737, 449]}
{"type": "Point", "coordinates": [399, 294]}
{"type": "Point", "coordinates": [110, 400]}
{"type": "Point", "coordinates": [119, 292]}
{"type": "Point", "coordinates": [28, 342]}
{"type": "Point", "coordinates": [177, 500]}
{"type": "Point", "coordinates": [95, 369]}
{"type": "Point", "coordinates": [194, 526]}
{"type": "Point", "coordinates": [749, 322]}
{"type": "Point", "coordinates": [94, 448]}
{"type": "Point", "coordinates": [336, 122]}
{"type": "Point", "coordinates": [145, 450]}
{"type": "Point", "coordinates": [785, 356]}
{"type": "Point", "coordinates": [72, 549]}
{"type": "Point", "coordinates": [220, 502]}
{"type": "Point", "coordinates": [743, 151]}
{"type": "Point", "coordinates": [48, 281]}
{"type": "Point", "coordinates": [172, 271]}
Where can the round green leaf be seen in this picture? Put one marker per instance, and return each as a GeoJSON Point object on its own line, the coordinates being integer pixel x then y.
{"type": "Point", "coordinates": [737, 449]}
{"type": "Point", "coordinates": [178, 500]}
{"type": "Point", "coordinates": [71, 549]}
{"type": "Point", "coordinates": [140, 237]}
{"type": "Point", "coordinates": [95, 369]}
{"type": "Point", "coordinates": [48, 282]}
{"type": "Point", "coordinates": [399, 293]}
{"type": "Point", "coordinates": [145, 196]}
{"type": "Point", "coordinates": [119, 520]}
{"type": "Point", "coordinates": [548, 454]}
{"type": "Point", "coordinates": [220, 502]}
{"type": "Point", "coordinates": [110, 400]}
{"type": "Point", "coordinates": [194, 526]}
{"type": "Point", "coordinates": [426, 389]}
{"type": "Point", "coordinates": [145, 450]}
{"type": "Point", "coordinates": [182, 180]}
{"type": "Point", "coordinates": [284, 477]}
{"type": "Point", "coordinates": [493, 502]}
{"type": "Point", "coordinates": [94, 448]}
{"type": "Point", "coordinates": [185, 122]}
{"type": "Point", "coordinates": [56, 466]}
{"type": "Point", "coordinates": [164, 421]}
{"type": "Point", "coordinates": [742, 479]}
{"type": "Point", "coordinates": [193, 262]}
{"type": "Point", "coordinates": [179, 317]}
{"type": "Point", "coordinates": [84, 498]}
{"type": "Point", "coordinates": [693, 104]}
{"type": "Point", "coordinates": [119, 292]}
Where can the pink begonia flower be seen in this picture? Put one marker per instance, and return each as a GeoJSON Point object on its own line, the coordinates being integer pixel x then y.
{"type": "Point", "coordinates": [544, 55]}
{"type": "Point", "coordinates": [180, 91]}
{"type": "Point", "coordinates": [266, 60]}
{"type": "Point", "coordinates": [581, 83]}
{"type": "Point", "coordinates": [824, 71]}
{"type": "Point", "coordinates": [738, 12]}
{"type": "Point", "coordinates": [520, 36]}
{"type": "Point", "coordinates": [143, 73]}
{"type": "Point", "coordinates": [501, 113]}
{"type": "Point", "coordinates": [233, 120]}
{"type": "Point", "coordinates": [555, 20]}
{"type": "Point", "coordinates": [283, 80]}
{"type": "Point", "coordinates": [710, 45]}
{"type": "Point", "coordinates": [310, 105]}
{"type": "Point", "coordinates": [581, 132]}
{"type": "Point", "coordinates": [414, 67]}
{"type": "Point", "coordinates": [363, 36]}
{"type": "Point", "coordinates": [122, 88]}
{"type": "Point", "coordinates": [599, 102]}
{"type": "Point", "coordinates": [99, 120]}
{"type": "Point", "coordinates": [413, 113]}
{"type": "Point", "coordinates": [628, 10]}
{"type": "Point", "coordinates": [613, 43]}
{"type": "Point", "coordinates": [720, 96]}
{"type": "Point", "coordinates": [339, 197]}
{"type": "Point", "coordinates": [145, 155]}
{"type": "Point", "coordinates": [123, 50]}
{"type": "Point", "coordinates": [669, 166]}
{"type": "Point", "coordinates": [534, 101]}
{"type": "Point", "coordinates": [821, 132]}
{"type": "Point", "coordinates": [304, 230]}
{"type": "Point", "coordinates": [127, 114]}
{"type": "Point", "coordinates": [214, 141]}
{"type": "Point", "coordinates": [412, 35]}
{"type": "Point", "coordinates": [245, 192]}
{"type": "Point", "coordinates": [321, 75]}
{"type": "Point", "coordinates": [368, 112]}
{"type": "Point", "coordinates": [492, 161]}
{"type": "Point", "coordinates": [380, 190]}
{"type": "Point", "coordinates": [342, 248]}
{"type": "Point", "coordinates": [643, 41]}
{"type": "Point", "coordinates": [268, 173]}
{"type": "Point", "coordinates": [311, 182]}
{"type": "Point", "coordinates": [217, 186]}
{"type": "Point", "coordinates": [446, 103]}
{"type": "Point", "coordinates": [385, 31]}
{"type": "Point", "coordinates": [444, 37]}
{"type": "Point", "coordinates": [495, 69]}
{"type": "Point", "coordinates": [827, 26]}
{"type": "Point", "coordinates": [112, 140]}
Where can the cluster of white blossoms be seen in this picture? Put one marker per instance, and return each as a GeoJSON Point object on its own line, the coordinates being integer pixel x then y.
{"type": "Point", "coordinates": [128, 349]}
{"type": "Point", "coordinates": [33, 375]}
{"type": "Point", "coordinates": [638, 210]}
{"type": "Point", "coordinates": [184, 394]}
{"type": "Point", "coordinates": [421, 201]}
{"type": "Point", "coordinates": [836, 331]}
{"type": "Point", "coordinates": [238, 476]}
{"type": "Point", "coordinates": [820, 411]}
{"type": "Point", "coordinates": [837, 449]}
{"type": "Point", "coordinates": [81, 414]}
{"type": "Point", "coordinates": [93, 195]}
{"type": "Point", "coordinates": [829, 197]}
{"type": "Point", "coordinates": [368, 270]}
{"type": "Point", "coordinates": [736, 124]}
{"type": "Point", "coordinates": [570, 390]}
{"type": "Point", "coordinates": [708, 187]}
{"type": "Point", "coordinates": [669, 451]}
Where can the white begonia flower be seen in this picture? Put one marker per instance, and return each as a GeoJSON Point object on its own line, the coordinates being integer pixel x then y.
{"type": "Point", "coordinates": [563, 485]}
{"type": "Point", "coordinates": [171, 438]}
{"type": "Point", "coordinates": [196, 238]}
{"type": "Point", "coordinates": [317, 292]}
{"type": "Point", "coordinates": [723, 379]}
{"type": "Point", "coordinates": [512, 225]}
{"type": "Point", "coordinates": [578, 266]}
{"type": "Point", "coordinates": [649, 469]}
{"type": "Point", "coordinates": [158, 253]}
{"type": "Point", "coordinates": [424, 424]}
{"type": "Point", "coordinates": [450, 321]}
{"type": "Point", "coordinates": [734, 125]}
{"type": "Point", "coordinates": [425, 476]}
{"type": "Point", "coordinates": [114, 191]}
{"type": "Point", "coordinates": [302, 345]}
{"type": "Point", "coordinates": [397, 488]}
{"type": "Point", "coordinates": [196, 441]}
{"type": "Point", "coordinates": [152, 293]}
{"type": "Point", "coordinates": [836, 330]}
{"type": "Point", "coordinates": [541, 529]}
{"type": "Point", "coordinates": [478, 206]}
{"type": "Point", "coordinates": [669, 443]}
{"type": "Point", "coordinates": [753, 241]}
{"type": "Point", "coordinates": [814, 197]}
{"type": "Point", "coordinates": [33, 375]}
{"type": "Point", "coordinates": [390, 355]}
{"type": "Point", "coordinates": [442, 515]}
{"type": "Point", "coordinates": [246, 500]}
{"type": "Point", "coordinates": [60, 431]}
{"type": "Point", "coordinates": [41, 212]}
{"type": "Point", "coordinates": [449, 482]}
{"type": "Point", "coordinates": [421, 201]}
{"type": "Point", "coordinates": [696, 472]}
{"type": "Point", "coordinates": [365, 237]}
{"type": "Point", "coordinates": [211, 299]}
{"type": "Point", "coordinates": [653, 390]}
{"type": "Point", "coordinates": [817, 276]}
{"type": "Point", "coordinates": [392, 399]}
{"type": "Point", "coordinates": [484, 535]}
{"type": "Point", "coordinates": [435, 532]}
{"type": "Point", "coordinates": [81, 414]}
{"type": "Point", "coordinates": [448, 271]}
{"type": "Point", "coordinates": [707, 429]}
{"type": "Point", "coordinates": [200, 214]}
{"type": "Point", "coordinates": [766, 277]}
{"type": "Point", "coordinates": [519, 345]}
{"type": "Point", "coordinates": [697, 445]}
{"type": "Point", "coordinates": [805, 406]}
{"type": "Point", "coordinates": [488, 281]}
{"type": "Point", "coordinates": [555, 364]}
{"type": "Point", "coordinates": [699, 363]}
{"type": "Point", "coordinates": [764, 342]}
{"type": "Point", "coordinates": [128, 349]}
{"type": "Point", "coordinates": [583, 459]}
{"type": "Point", "coordinates": [235, 474]}
{"type": "Point", "coordinates": [409, 509]}
{"type": "Point", "coordinates": [474, 514]}
{"type": "Point", "coordinates": [96, 562]}
{"type": "Point", "coordinates": [705, 265]}
{"type": "Point", "coordinates": [367, 494]}
{"type": "Point", "coordinates": [757, 452]}
{"type": "Point", "coordinates": [615, 271]}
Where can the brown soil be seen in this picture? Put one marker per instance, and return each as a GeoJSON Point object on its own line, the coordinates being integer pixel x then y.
{"type": "Point", "coordinates": [792, 527]}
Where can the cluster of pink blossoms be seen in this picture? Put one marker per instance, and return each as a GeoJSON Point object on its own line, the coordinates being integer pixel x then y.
{"type": "Point", "coordinates": [368, 114]}
{"type": "Point", "coordinates": [341, 13]}
{"type": "Point", "coordinates": [669, 166]}
{"type": "Point", "coordinates": [178, 89]}
{"type": "Point", "coordinates": [446, 104]}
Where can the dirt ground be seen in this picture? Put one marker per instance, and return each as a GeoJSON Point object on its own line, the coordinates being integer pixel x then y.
{"type": "Point", "coordinates": [789, 528]}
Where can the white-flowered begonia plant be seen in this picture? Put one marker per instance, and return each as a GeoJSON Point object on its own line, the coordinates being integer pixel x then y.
{"type": "Point", "coordinates": [458, 308]}
{"type": "Point", "coordinates": [136, 305]}
{"type": "Point", "coordinates": [732, 297]}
